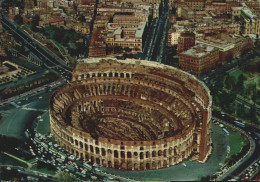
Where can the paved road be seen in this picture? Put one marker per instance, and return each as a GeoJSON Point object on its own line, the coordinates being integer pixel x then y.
{"type": "Point", "coordinates": [253, 155]}
{"type": "Point", "coordinates": [50, 60]}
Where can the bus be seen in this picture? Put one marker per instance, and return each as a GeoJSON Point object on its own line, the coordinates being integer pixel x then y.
{"type": "Point", "coordinates": [226, 131]}
{"type": "Point", "coordinates": [239, 124]}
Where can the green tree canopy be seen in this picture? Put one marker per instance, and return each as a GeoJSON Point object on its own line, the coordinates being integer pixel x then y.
{"type": "Point", "coordinates": [18, 19]}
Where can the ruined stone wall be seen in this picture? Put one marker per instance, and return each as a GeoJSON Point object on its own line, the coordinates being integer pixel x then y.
{"type": "Point", "coordinates": [132, 115]}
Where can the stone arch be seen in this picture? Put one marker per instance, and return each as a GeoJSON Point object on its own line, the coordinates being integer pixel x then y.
{"type": "Point", "coordinates": [92, 159]}
{"type": "Point", "coordinates": [77, 154]}
{"type": "Point", "coordinates": [104, 164]}
{"type": "Point", "coordinates": [91, 148]}
{"type": "Point", "coordinates": [147, 154]}
{"type": "Point", "coordinates": [136, 166]}
{"type": "Point", "coordinates": [159, 153]}
{"type": "Point", "coordinates": [142, 166]}
{"type": "Point", "coordinates": [122, 154]}
{"type": "Point", "coordinates": [135, 154]}
{"type": "Point", "coordinates": [123, 165]}
{"type": "Point", "coordinates": [97, 150]}
{"type": "Point", "coordinates": [86, 157]}
{"type": "Point", "coordinates": [116, 165]}
{"type": "Point", "coordinates": [159, 164]}
{"type": "Point", "coordinates": [165, 153]}
{"type": "Point", "coordinates": [153, 165]}
{"type": "Point", "coordinates": [129, 165]}
{"type": "Point", "coordinates": [116, 74]}
{"type": "Point", "coordinates": [141, 155]}
{"type": "Point", "coordinates": [103, 151]}
{"type": "Point", "coordinates": [76, 142]}
{"type": "Point", "coordinates": [109, 164]}
{"type": "Point", "coordinates": [129, 155]}
{"type": "Point", "coordinates": [97, 160]}
{"type": "Point", "coordinates": [86, 147]}
{"type": "Point", "coordinates": [148, 166]}
{"type": "Point", "coordinates": [154, 154]}
{"type": "Point", "coordinates": [81, 145]}
{"type": "Point", "coordinates": [115, 153]}
{"type": "Point", "coordinates": [165, 163]}
{"type": "Point", "coordinates": [170, 151]}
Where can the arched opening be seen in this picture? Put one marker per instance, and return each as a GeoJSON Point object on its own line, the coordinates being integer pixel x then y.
{"type": "Point", "coordinates": [116, 165]}
{"type": "Point", "coordinates": [97, 160]}
{"type": "Point", "coordinates": [81, 145]}
{"type": "Point", "coordinates": [122, 75]}
{"type": "Point", "coordinates": [86, 157]}
{"type": "Point", "coordinates": [122, 154]}
{"type": "Point", "coordinates": [164, 163]}
{"type": "Point", "coordinates": [76, 142]}
{"type": "Point", "coordinates": [129, 155]}
{"type": "Point", "coordinates": [97, 150]}
{"type": "Point", "coordinates": [135, 166]}
{"type": "Point", "coordinates": [115, 153]}
{"type": "Point", "coordinates": [153, 154]}
{"type": "Point", "coordinates": [129, 166]}
{"type": "Point", "coordinates": [109, 164]}
{"type": "Point", "coordinates": [141, 155]}
{"type": "Point", "coordinates": [92, 159]}
{"type": "Point", "coordinates": [116, 74]}
{"type": "Point", "coordinates": [103, 152]}
{"type": "Point", "coordinates": [91, 149]}
{"type": "Point", "coordinates": [154, 165]}
{"type": "Point", "coordinates": [170, 151]}
{"type": "Point", "coordinates": [142, 166]}
{"type": "Point", "coordinates": [148, 166]}
{"type": "Point", "coordinates": [165, 153]}
{"type": "Point", "coordinates": [86, 147]}
{"type": "Point", "coordinates": [110, 74]}
{"type": "Point", "coordinates": [104, 163]}
{"type": "Point", "coordinates": [159, 153]}
{"type": "Point", "coordinates": [147, 154]}
{"type": "Point", "coordinates": [135, 154]}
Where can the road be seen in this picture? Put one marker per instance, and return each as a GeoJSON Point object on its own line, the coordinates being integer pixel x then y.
{"type": "Point", "coordinates": [254, 155]}
{"type": "Point", "coordinates": [154, 49]}
{"type": "Point", "coordinates": [50, 60]}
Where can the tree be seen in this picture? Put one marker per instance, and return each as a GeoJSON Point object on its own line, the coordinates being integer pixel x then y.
{"type": "Point", "coordinates": [18, 19]}
{"type": "Point", "coordinates": [230, 82]}
{"type": "Point", "coordinates": [82, 18]}
{"type": "Point", "coordinates": [253, 116]}
{"type": "Point", "coordinates": [63, 176]}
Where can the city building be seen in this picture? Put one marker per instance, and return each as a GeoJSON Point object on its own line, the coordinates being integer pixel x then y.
{"type": "Point", "coordinates": [230, 45]}
{"type": "Point", "coordinates": [199, 59]}
{"type": "Point", "coordinates": [132, 115]}
{"type": "Point", "coordinates": [97, 45]}
{"type": "Point", "coordinates": [126, 35]}
{"type": "Point", "coordinates": [185, 41]}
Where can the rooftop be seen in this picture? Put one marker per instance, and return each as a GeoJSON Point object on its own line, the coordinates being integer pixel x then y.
{"type": "Point", "coordinates": [199, 51]}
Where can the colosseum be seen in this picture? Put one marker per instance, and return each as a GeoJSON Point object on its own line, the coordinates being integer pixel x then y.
{"type": "Point", "coordinates": [132, 115]}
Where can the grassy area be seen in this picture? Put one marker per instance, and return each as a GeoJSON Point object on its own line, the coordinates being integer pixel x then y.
{"type": "Point", "coordinates": [6, 160]}
{"type": "Point", "coordinates": [236, 142]}
{"type": "Point", "coordinates": [237, 73]}
{"type": "Point", "coordinates": [42, 170]}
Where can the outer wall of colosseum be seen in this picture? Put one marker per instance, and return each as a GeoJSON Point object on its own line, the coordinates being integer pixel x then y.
{"type": "Point", "coordinates": [132, 115]}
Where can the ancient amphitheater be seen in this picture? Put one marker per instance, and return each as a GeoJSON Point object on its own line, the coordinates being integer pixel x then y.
{"type": "Point", "coordinates": [132, 115]}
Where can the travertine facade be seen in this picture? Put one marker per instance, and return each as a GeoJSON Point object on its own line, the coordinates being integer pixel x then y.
{"type": "Point", "coordinates": [132, 115]}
